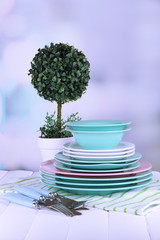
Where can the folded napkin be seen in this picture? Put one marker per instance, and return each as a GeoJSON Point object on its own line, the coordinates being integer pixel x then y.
{"type": "Point", "coordinates": [139, 201]}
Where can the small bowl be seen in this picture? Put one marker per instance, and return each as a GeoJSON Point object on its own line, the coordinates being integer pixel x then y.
{"type": "Point", "coordinates": [98, 140]}
{"type": "Point", "coordinates": [98, 125]}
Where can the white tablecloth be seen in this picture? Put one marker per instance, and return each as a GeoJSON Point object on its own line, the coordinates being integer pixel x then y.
{"type": "Point", "coordinates": [21, 223]}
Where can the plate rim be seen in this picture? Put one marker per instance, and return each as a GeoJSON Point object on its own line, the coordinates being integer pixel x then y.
{"type": "Point", "coordinates": [103, 189]}
{"type": "Point", "coordinates": [100, 164]}
{"type": "Point", "coordinates": [102, 179]}
{"type": "Point", "coordinates": [107, 150]}
{"type": "Point", "coordinates": [101, 184]}
{"type": "Point", "coordinates": [99, 154]}
{"type": "Point", "coordinates": [139, 156]}
{"type": "Point", "coordinates": [99, 171]}
{"type": "Point", "coordinates": [134, 171]}
{"type": "Point", "coordinates": [100, 157]}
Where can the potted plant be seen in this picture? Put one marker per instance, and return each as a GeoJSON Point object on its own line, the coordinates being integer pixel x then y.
{"type": "Point", "coordinates": [60, 73]}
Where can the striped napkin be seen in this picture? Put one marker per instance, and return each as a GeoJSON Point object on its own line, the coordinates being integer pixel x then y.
{"type": "Point", "coordinates": [139, 201]}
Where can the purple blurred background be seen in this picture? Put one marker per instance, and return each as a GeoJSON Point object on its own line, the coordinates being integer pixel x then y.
{"type": "Point", "coordinates": [120, 38]}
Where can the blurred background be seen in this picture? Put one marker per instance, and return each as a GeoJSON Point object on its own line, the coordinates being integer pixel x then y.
{"type": "Point", "coordinates": [121, 40]}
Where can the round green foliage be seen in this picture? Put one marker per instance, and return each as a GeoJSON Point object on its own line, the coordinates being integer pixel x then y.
{"type": "Point", "coordinates": [60, 73]}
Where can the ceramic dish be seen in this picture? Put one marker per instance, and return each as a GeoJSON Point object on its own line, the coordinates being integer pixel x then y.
{"type": "Point", "coordinates": [124, 178]}
{"type": "Point", "coordinates": [62, 167]}
{"type": "Point", "coordinates": [90, 154]}
{"type": "Point", "coordinates": [60, 156]}
{"type": "Point", "coordinates": [98, 140]}
{"type": "Point", "coordinates": [97, 190]}
{"type": "Point", "coordinates": [98, 166]}
{"type": "Point", "coordinates": [50, 168]}
{"type": "Point", "coordinates": [123, 146]}
{"type": "Point", "coordinates": [99, 157]}
{"type": "Point", "coordinates": [98, 125]}
{"type": "Point", "coordinates": [95, 184]}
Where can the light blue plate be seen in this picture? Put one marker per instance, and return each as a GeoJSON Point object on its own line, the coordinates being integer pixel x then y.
{"type": "Point", "coordinates": [96, 190]}
{"type": "Point", "coordinates": [93, 179]}
{"type": "Point", "coordinates": [98, 125]}
{"type": "Point", "coordinates": [98, 166]}
{"type": "Point", "coordinates": [134, 157]}
{"type": "Point", "coordinates": [62, 167]}
{"type": "Point", "coordinates": [98, 140]}
{"type": "Point", "coordinates": [94, 184]}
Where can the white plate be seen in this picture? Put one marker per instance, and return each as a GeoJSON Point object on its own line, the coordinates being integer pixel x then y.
{"type": "Point", "coordinates": [99, 157]}
{"type": "Point", "coordinates": [123, 146]}
{"type": "Point", "coordinates": [98, 154]}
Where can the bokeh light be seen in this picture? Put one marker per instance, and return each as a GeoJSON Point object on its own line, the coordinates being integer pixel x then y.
{"type": "Point", "coordinates": [18, 24]}
{"type": "Point", "coordinates": [6, 6]}
{"type": "Point", "coordinates": [18, 55]}
{"type": "Point", "coordinates": [2, 109]}
{"type": "Point", "coordinates": [121, 41]}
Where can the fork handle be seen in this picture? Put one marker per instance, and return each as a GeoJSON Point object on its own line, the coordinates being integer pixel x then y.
{"type": "Point", "coordinates": [41, 191]}
{"type": "Point", "coordinates": [28, 192]}
{"type": "Point", "coordinates": [20, 199]}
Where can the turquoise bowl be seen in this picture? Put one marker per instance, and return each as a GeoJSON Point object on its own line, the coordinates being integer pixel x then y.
{"type": "Point", "coordinates": [98, 125]}
{"type": "Point", "coordinates": [98, 140]}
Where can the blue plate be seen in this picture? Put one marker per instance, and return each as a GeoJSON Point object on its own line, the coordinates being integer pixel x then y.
{"type": "Point", "coordinates": [60, 156]}
{"type": "Point", "coordinates": [62, 167]}
{"type": "Point", "coordinates": [97, 190]}
{"type": "Point", "coordinates": [98, 166]}
{"type": "Point", "coordinates": [106, 179]}
{"type": "Point", "coordinates": [99, 184]}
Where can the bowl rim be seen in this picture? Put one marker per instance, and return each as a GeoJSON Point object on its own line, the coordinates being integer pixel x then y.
{"type": "Point", "coordinates": [117, 123]}
{"type": "Point", "coordinates": [93, 132]}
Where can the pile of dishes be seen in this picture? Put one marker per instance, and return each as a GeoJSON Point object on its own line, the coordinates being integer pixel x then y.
{"type": "Point", "coordinates": [83, 168]}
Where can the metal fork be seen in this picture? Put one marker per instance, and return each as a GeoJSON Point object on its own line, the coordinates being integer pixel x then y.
{"type": "Point", "coordinates": [61, 208]}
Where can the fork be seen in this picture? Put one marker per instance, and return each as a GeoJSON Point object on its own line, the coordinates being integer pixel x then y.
{"type": "Point", "coordinates": [30, 192]}
{"type": "Point", "coordinates": [32, 203]}
{"type": "Point", "coordinates": [61, 208]}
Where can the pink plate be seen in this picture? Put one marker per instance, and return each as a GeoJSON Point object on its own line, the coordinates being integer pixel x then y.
{"type": "Point", "coordinates": [49, 167]}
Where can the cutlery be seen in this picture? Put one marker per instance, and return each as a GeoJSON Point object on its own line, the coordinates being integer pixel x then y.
{"type": "Point", "coordinates": [70, 203]}
{"type": "Point", "coordinates": [49, 202]}
{"type": "Point", "coordinates": [32, 203]}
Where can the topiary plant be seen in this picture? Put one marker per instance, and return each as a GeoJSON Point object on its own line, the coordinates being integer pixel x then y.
{"type": "Point", "coordinates": [60, 73]}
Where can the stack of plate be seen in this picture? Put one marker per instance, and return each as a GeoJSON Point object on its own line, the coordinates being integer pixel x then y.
{"type": "Point", "coordinates": [98, 162]}
{"type": "Point", "coordinates": [93, 172]}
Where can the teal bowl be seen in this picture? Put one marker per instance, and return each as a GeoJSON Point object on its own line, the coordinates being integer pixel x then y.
{"type": "Point", "coordinates": [98, 140]}
{"type": "Point", "coordinates": [98, 125]}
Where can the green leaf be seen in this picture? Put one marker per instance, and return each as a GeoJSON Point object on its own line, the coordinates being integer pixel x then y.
{"type": "Point", "coordinates": [55, 67]}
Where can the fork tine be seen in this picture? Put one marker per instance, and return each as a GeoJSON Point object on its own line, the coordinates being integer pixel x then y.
{"type": "Point", "coordinates": [62, 209]}
{"type": "Point", "coordinates": [58, 209]}
{"type": "Point", "coordinates": [66, 210]}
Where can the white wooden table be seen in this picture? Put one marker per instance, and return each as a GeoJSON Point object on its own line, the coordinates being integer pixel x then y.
{"type": "Point", "coordinates": [22, 223]}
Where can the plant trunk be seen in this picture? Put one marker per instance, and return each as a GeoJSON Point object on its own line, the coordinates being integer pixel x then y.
{"type": "Point", "coordinates": [59, 114]}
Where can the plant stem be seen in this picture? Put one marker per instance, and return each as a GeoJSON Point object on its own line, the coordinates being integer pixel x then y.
{"type": "Point", "coordinates": [59, 114]}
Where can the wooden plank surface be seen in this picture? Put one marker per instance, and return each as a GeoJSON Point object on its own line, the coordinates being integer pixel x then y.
{"type": "Point", "coordinates": [93, 224]}
{"type": "Point", "coordinates": [153, 224]}
{"type": "Point", "coordinates": [123, 226]}
{"type": "Point", "coordinates": [21, 223]}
